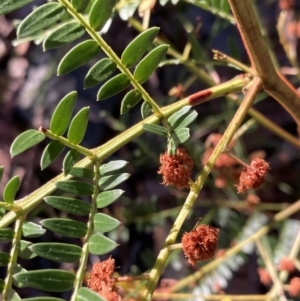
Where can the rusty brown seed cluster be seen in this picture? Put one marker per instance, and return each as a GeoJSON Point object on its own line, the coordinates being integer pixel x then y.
{"type": "Point", "coordinates": [253, 176]}
{"type": "Point", "coordinates": [101, 282]}
{"type": "Point", "coordinates": [176, 169]}
{"type": "Point", "coordinates": [200, 244]}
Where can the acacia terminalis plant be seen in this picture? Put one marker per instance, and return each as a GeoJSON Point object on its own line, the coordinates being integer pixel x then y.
{"type": "Point", "coordinates": [84, 173]}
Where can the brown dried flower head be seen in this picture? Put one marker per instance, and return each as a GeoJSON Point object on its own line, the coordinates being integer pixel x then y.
{"type": "Point", "coordinates": [294, 289]}
{"type": "Point", "coordinates": [286, 264]}
{"type": "Point", "coordinates": [100, 280]}
{"type": "Point", "coordinates": [176, 169]}
{"type": "Point", "coordinates": [253, 176]}
{"type": "Point", "coordinates": [200, 244]}
{"type": "Point", "coordinates": [264, 276]}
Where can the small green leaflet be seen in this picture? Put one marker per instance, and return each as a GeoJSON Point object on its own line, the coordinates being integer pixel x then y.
{"type": "Point", "coordinates": [146, 110]}
{"type": "Point", "coordinates": [131, 99]}
{"type": "Point", "coordinates": [69, 205]}
{"type": "Point", "coordinates": [70, 159]}
{"type": "Point", "coordinates": [78, 126]}
{"type": "Point", "coordinates": [137, 48]}
{"type": "Point", "coordinates": [107, 197]}
{"type": "Point", "coordinates": [7, 6]}
{"type": "Point", "coordinates": [174, 117]}
{"type": "Point", "coordinates": [81, 172]}
{"type": "Point", "coordinates": [13, 296]}
{"type": "Point", "coordinates": [85, 294]}
{"type": "Point", "coordinates": [80, 5]}
{"type": "Point", "coordinates": [155, 129]}
{"type": "Point", "coordinates": [63, 35]}
{"type": "Point", "coordinates": [109, 182]}
{"type": "Point", "coordinates": [75, 187]}
{"type": "Point", "coordinates": [25, 141]}
{"type": "Point", "coordinates": [41, 18]}
{"type": "Point", "coordinates": [149, 63]}
{"type": "Point", "coordinates": [113, 86]}
{"type": "Point", "coordinates": [49, 280]}
{"type": "Point", "coordinates": [105, 223]}
{"type": "Point", "coordinates": [78, 56]}
{"type": "Point", "coordinates": [181, 135]}
{"type": "Point", "coordinates": [112, 166]}
{"type": "Point", "coordinates": [6, 234]}
{"type": "Point", "coordinates": [4, 259]}
{"type": "Point", "coordinates": [62, 114]}
{"type": "Point", "coordinates": [42, 299]}
{"type": "Point", "coordinates": [65, 227]}
{"type": "Point", "coordinates": [51, 152]}
{"type": "Point", "coordinates": [24, 251]}
{"type": "Point", "coordinates": [32, 230]}
{"type": "Point", "coordinates": [99, 244]}
{"type": "Point", "coordinates": [11, 188]}
{"type": "Point", "coordinates": [100, 13]}
{"type": "Point", "coordinates": [59, 252]}
{"type": "Point", "coordinates": [100, 72]}
{"type": "Point", "coordinates": [182, 118]}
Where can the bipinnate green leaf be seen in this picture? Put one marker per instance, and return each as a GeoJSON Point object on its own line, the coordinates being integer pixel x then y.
{"type": "Point", "coordinates": [100, 13]}
{"type": "Point", "coordinates": [10, 189]}
{"type": "Point", "coordinates": [59, 252]}
{"type": "Point", "coordinates": [81, 172]}
{"type": "Point", "coordinates": [43, 299]}
{"type": "Point", "coordinates": [99, 244]}
{"type": "Point", "coordinates": [149, 63]}
{"type": "Point", "coordinates": [62, 114]}
{"type": "Point", "coordinates": [107, 197]}
{"type": "Point", "coordinates": [4, 259]}
{"type": "Point", "coordinates": [146, 110]}
{"type": "Point", "coordinates": [181, 135]}
{"type": "Point", "coordinates": [78, 56]}
{"type": "Point", "coordinates": [75, 187]}
{"type": "Point", "coordinates": [25, 141]}
{"type": "Point", "coordinates": [12, 295]}
{"type": "Point", "coordinates": [155, 129]}
{"type": "Point", "coordinates": [113, 86]}
{"type": "Point", "coordinates": [41, 18]}
{"type": "Point", "coordinates": [109, 182]}
{"type": "Point", "coordinates": [69, 205]}
{"type": "Point", "coordinates": [105, 223]}
{"type": "Point", "coordinates": [112, 166]}
{"type": "Point", "coordinates": [63, 35]}
{"type": "Point", "coordinates": [51, 152]}
{"type": "Point", "coordinates": [7, 6]}
{"type": "Point", "coordinates": [49, 280]}
{"type": "Point", "coordinates": [32, 230]}
{"type": "Point", "coordinates": [1, 172]}
{"type": "Point", "coordinates": [131, 99]}
{"type": "Point", "coordinates": [78, 126]}
{"type": "Point", "coordinates": [100, 72]}
{"type": "Point", "coordinates": [137, 48]}
{"type": "Point", "coordinates": [85, 294]}
{"type": "Point", "coordinates": [80, 5]}
{"type": "Point", "coordinates": [70, 159]}
{"type": "Point", "coordinates": [6, 234]}
{"type": "Point", "coordinates": [183, 119]}
{"type": "Point", "coordinates": [24, 251]}
{"type": "Point", "coordinates": [65, 227]}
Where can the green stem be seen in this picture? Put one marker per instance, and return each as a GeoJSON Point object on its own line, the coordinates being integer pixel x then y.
{"type": "Point", "coordinates": [85, 248]}
{"type": "Point", "coordinates": [13, 256]}
{"type": "Point", "coordinates": [84, 151]}
{"type": "Point", "coordinates": [104, 151]}
{"type": "Point", "coordinates": [194, 192]}
{"type": "Point", "coordinates": [112, 55]}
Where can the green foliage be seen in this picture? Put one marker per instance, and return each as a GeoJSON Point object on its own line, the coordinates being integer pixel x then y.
{"type": "Point", "coordinates": [7, 6]}
{"type": "Point", "coordinates": [32, 230]}
{"type": "Point", "coordinates": [69, 161]}
{"type": "Point", "coordinates": [100, 244]}
{"type": "Point", "coordinates": [131, 99]}
{"type": "Point", "coordinates": [11, 189]}
{"type": "Point", "coordinates": [76, 187]}
{"type": "Point", "coordinates": [51, 152]}
{"type": "Point", "coordinates": [6, 234]}
{"type": "Point", "coordinates": [107, 197]}
{"type": "Point", "coordinates": [84, 294]}
{"type": "Point", "coordinates": [105, 223]}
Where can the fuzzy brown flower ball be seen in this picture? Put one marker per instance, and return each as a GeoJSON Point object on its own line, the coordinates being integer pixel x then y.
{"type": "Point", "coordinates": [100, 280]}
{"type": "Point", "coordinates": [253, 176]}
{"type": "Point", "coordinates": [286, 264]}
{"type": "Point", "coordinates": [294, 289]}
{"type": "Point", "coordinates": [264, 276]}
{"type": "Point", "coordinates": [176, 169]}
{"type": "Point", "coordinates": [200, 244]}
